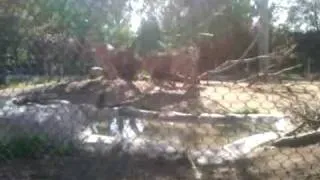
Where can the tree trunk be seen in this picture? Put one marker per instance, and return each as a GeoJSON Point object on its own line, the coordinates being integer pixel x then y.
{"type": "Point", "coordinates": [263, 42]}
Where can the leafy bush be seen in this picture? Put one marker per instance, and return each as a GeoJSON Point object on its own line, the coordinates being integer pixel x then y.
{"type": "Point", "coordinates": [32, 147]}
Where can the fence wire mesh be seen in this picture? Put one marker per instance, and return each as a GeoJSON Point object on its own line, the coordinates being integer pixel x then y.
{"type": "Point", "coordinates": [73, 107]}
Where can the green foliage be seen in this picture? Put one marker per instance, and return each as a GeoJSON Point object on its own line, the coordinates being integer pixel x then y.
{"type": "Point", "coordinates": [24, 82]}
{"type": "Point", "coordinates": [149, 36]}
{"type": "Point", "coordinates": [247, 111]}
{"type": "Point", "coordinates": [32, 146]}
{"type": "Point", "coordinates": [304, 15]}
{"type": "Point", "coordinates": [307, 49]}
{"type": "Point", "coordinates": [184, 20]}
{"type": "Point", "coordinates": [27, 26]}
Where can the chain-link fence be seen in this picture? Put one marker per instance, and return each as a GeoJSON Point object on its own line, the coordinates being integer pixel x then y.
{"type": "Point", "coordinates": [73, 107]}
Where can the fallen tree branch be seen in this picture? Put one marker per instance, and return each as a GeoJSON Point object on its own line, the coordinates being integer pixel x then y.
{"type": "Point", "coordinates": [178, 117]}
{"type": "Point", "coordinates": [228, 64]}
{"type": "Point", "coordinates": [286, 69]}
{"type": "Point", "coordinates": [303, 139]}
{"type": "Point", "coordinates": [298, 128]}
{"type": "Point", "coordinates": [221, 68]}
{"type": "Point", "coordinates": [258, 76]}
{"type": "Point", "coordinates": [250, 47]}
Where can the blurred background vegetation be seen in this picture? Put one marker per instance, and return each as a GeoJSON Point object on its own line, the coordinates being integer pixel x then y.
{"type": "Point", "coordinates": [48, 37]}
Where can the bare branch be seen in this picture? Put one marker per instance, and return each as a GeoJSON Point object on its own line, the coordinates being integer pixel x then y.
{"type": "Point", "coordinates": [178, 117]}
{"type": "Point", "coordinates": [298, 128]}
{"type": "Point", "coordinates": [302, 139]}
{"type": "Point", "coordinates": [249, 47]}
{"type": "Point", "coordinates": [232, 63]}
{"type": "Point", "coordinates": [285, 70]}
{"type": "Point", "coordinates": [227, 65]}
{"type": "Point", "coordinates": [264, 74]}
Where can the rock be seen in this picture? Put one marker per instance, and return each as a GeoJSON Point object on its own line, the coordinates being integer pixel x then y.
{"type": "Point", "coordinates": [65, 122]}
{"type": "Point", "coordinates": [62, 122]}
{"type": "Point", "coordinates": [91, 91]}
{"type": "Point", "coordinates": [174, 150]}
{"type": "Point", "coordinates": [234, 151]}
{"type": "Point", "coordinates": [36, 97]}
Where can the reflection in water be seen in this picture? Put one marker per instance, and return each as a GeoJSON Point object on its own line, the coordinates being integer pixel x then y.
{"type": "Point", "coordinates": [127, 128]}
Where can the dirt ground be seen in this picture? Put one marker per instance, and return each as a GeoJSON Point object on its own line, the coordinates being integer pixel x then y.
{"type": "Point", "coordinates": [226, 97]}
{"type": "Point", "coordinates": [217, 97]}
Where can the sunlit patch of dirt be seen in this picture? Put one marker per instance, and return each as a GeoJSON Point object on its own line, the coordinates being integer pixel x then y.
{"type": "Point", "coordinates": [222, 97]}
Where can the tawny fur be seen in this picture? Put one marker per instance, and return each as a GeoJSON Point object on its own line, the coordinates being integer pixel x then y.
{"type": "Point", "coordinates": [177, 64]}
{"type": "Point", "coordinates": [117, 62]}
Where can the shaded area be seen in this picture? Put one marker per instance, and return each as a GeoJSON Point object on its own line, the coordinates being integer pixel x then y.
{"type": "Point", "coordinates": [283, 163]}
{"type": "Point", "coordinates": [217, 97]}
{"type": "Point", "coordinates": [177, 101]}
{"type": "Point", "coordinates": [104, 92]}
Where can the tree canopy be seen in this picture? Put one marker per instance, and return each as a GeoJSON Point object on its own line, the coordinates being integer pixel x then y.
{"type": "Point", "coordinates": [36, 32]}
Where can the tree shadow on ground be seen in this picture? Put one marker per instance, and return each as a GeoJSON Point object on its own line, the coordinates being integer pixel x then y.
{"type": "Point", "coordinates": [185, 102]}
{"type": "Point", "coordinates": [115, 168]}
{"type": "Point", "coordinates": [275, 163]}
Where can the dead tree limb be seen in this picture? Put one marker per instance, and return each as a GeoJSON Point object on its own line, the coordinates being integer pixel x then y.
{"type": "Point", "coordinates": [178, 117]}
{"type": "Point", "coordinates": [258, 76]}
{"type": "Point", "coordinates": [249, 47]}
{"type": "Point", "coordinates": [227, 65]}
{"type": "Point", "coordinates": [222, 66]}
{"type": "Point", "coordinates": [302, 139]}
{"type": "Point", "coordinates": [298, 128]}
